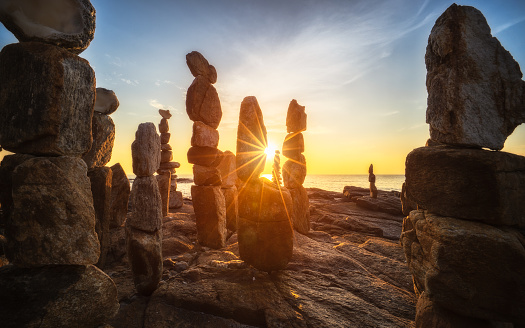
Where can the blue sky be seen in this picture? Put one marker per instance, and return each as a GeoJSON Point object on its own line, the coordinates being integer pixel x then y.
{"type": "Point", "coordinates": [357, 66]}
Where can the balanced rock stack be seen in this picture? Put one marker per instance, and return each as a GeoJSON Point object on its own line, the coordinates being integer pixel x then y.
{"type": "Point", "coordinates": [144, 224]}
{"type": "Point", "coordinates": [294, 169]}
{"type": "Point", "coordinates": [264, 225]}
{"type": "Point", "coordinates": [166, 178]}
{"type": "Point", "coordinates": [204, 109]}
{"type": "Point", "coordinates": [465, 245]}
{"type": "Point", "coordinates": [100, 176]}
{"type": "Point", "coordinates": [372, 180]}
{"type": "Point", "coordinates": [227, 169]}
{"type": "Point", "coordinates": [47, 97]}
{"type": "Point", "coordinates": [276, 169]}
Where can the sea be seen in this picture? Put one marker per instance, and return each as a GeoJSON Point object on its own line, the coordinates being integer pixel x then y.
{"type": "Point", "coordinates": [326, 182]}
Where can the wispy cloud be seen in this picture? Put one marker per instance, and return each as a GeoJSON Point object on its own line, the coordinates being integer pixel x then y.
{"type": "Point", "coordinates": [156, 104]}
{"type": "Point", "coordinates": [508, 25]}
{"type": "Point", "coordinates": [130, 82]}
{"type": "Point", "coordinates": [162, 82]}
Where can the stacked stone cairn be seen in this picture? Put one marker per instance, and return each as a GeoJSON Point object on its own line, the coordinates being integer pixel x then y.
{"type": "Point", "coordinates": [204, 109]}
{"type": "Point", "coordinates": [144, 224]}
{"type": "Point", "coordinates": [264, 226]}
{"type": "Point", "coordinates": [227, 169]}
{"type": "Point", "coordinates": [276, 168]}
{"type": "Point", "coordinates": [465, 245]}
{"type": "Point", "coordinates": [47, 97]}
{"type": "Point", "coordinates": [294, 169]}
{"type": "Point", "coordinates": [166, 178]}
{"type": "Point", "coordinates": [372, 180]}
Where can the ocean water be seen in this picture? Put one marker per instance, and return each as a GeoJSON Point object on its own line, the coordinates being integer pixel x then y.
{"type": "Point", "coordinates": [327, 182]}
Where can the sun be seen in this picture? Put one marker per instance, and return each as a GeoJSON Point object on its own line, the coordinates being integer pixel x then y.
{"type": "Point", "coordinates": [270, 149]}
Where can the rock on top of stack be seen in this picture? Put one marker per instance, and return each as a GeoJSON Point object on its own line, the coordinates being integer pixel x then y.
{"type": "Point", "coordinates": [476, 95]}
{"type": "Point", "coordinates": [69, 24]}
{"type": "Point", "coordinates": [296, 117]}
{"type": "Point", "coordinates": [106, 101]}
{"type": "Point", "coordinates": [198, 65]}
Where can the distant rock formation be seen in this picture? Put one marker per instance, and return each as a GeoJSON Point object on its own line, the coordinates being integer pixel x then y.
{"type": "Point", "coordinates": [144, 224]}
{"type": "Point", "coordinates": [372, 180]}
{"type": "Point", "coordinates": [464, 244]}
{"type": "Point", "coordinates": [204, 109]}
{"type": "Point", "coordinates": [52, 222]}
{"type": "Point", "coordinates": [276, 169]}
{"type": "Point", "coordinates": [294, 169]}
{"type": "Point", "coordinates": [264, 226]}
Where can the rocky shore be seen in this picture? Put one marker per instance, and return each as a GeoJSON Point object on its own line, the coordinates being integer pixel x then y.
{"type": "Point", "coordinates": [348, 271]}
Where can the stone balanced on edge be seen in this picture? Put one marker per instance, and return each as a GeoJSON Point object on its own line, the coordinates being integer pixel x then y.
{"type": "Point", "coordinates": [47, 98]}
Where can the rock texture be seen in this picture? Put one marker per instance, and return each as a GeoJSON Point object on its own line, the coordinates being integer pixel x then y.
{"type": "Point", "coordinates": [204, 136]}
{"type": "Point", "coordinates": [475, 89]}
{"type": "Point", "coordinates": [210, 215]}
{"type": "Point", "coordinates": [145, 150]}
{"type": "Point", "coordinates": [56, 119]}
{"type": "Point", "coordinates": [101, 179]}
{"type": "Point", "coordinates": [198, 65]}
{"type": "Point", "coordinates": [372, 180]}
{"type": "Point", "coordinates": [293, 145]}
{"type": "Point", "coordinates": [56, 296]}
{"type": "Point", "coordinates": [146, 200]}
{"type": "Point", "coordinates": [251, 140]}
{"type": "Point", "coordinates": [232, 207]}
{"type": "Point", "coordinates": [120, 191]}
{"type": "Point", "coordinates": [103, 132]}
{"type": "Point", "coordinates": [301, 210]}
{"type": "Point", "coordinates": [228, 169]}
{"type": "Point", "coordinates": [294, 172]}
{"type": "Point", "coordinates": [206, 176]}
{"type": "Point", "coordinates": [106, 101]}
{"type": "Point", "coordinates": [202, 102]}
{"type": "Point", "coordinates": [205, 156]}
{"type": "Point", "coordinates": [66, 24]}
{"type": "Point", "coordinates": [295, 117]}
{"type": "Point", "coordinates": [164, 184]}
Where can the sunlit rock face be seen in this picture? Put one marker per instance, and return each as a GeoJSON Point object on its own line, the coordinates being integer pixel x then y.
{"type": "Point", "coordinates": [103, 132]}
{"type": "Point", "coordinates": [120, 191]}
{"type": "Point", "coordinates": [146, 200]}
{"type": "Point", "coordinates": [251, 140]}
{"type": "Point", "coordinates": [202, 102]}
{"type": "Point", "coordinates": [227, 169]}
{"type": "Point", "coordinates": [475, 89]}
{"type": "Point", "coordinates": [294, 172]}
{"type": "Point", "coordinates": [106, 102]}
{"type": "Point", "coordinates": [198, 65]}
{"type": "Point", "coordinates": [101, 178]}
{"type": "Point", "coordinates": [69, 24]}
{"type": "Point", "coordinates": [47, 96]}
{"type": "Point", "coordinates": [210, 215]}
{"type": "Point", "coordinates": [295, 117]}
{"type": "Point", "coordinates": [145, 150]}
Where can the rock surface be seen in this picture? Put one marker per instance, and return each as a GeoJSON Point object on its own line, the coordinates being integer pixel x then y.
{"type": "Point", "coordinates": [204, 136]}
{"type": "Point", "coordinates": [198, 65]}
{"type": "Point", "coordinates": [164, 126]}
{"type": "Point", "coordinates": [120, 191]}
{"type": "Point", "coordinates": [106, 101]}
{"type": "Point", "coordinates": [293, 145]}
{"type": "Point", "coordinates": [147, 205]}
{"type": "Point", "coordinates": [145, 150]}
{"type": "Point", "coordinates": [210, 215]}
{"type": "Point", "coordinates": [164, 183]}
{"type": "Point", "coordinates": [295, 117]}
{"type": "Point", "coordinates": [59, 226]}
{"type": "Point", "coordinates": [56, 296]}
{"type": "Point", "coordinates": [46, 108]}
{"type": "Point", "coordinates": [228, 169]}
{"type": "Point", "coordinates": [64, 23]}
{"type": "Point", "coordinates": [103, 132]}
{"type": "Point", "coordinates": [476, 95]}
{"type": "Point", "coordinates": [445, 255]}
{"type": "Point", "coordinates": [471, 184]}
{"type": "Point", "coordinates": [294, 172]}
{"type": "Point", "coordinates": [204, 156]}
{"type": "Point", "coordinates": [232, 207]}
{"type": "Point", "coordinates": [176, 199]}
{"type": "Point", "coordinates": [206, 176]}
{"type": "Point", "coordinates": [202, 102]}
{"type": "Point", "coordinates": [251, 140]}
{"type": "Point", "coordinates": [101, 179]}
{"type": "Point", "coordinates": [387, 203]}
{"type": "Point", "coordinates": [301, 210]}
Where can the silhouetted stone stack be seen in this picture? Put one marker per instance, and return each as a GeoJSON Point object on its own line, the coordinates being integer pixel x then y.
{"type": "Point", "coordinates": [47, 97]}
{"type": "Point", "coordinates": [264, 226]}
{"type": "Point", "coordinates": [372, 180]}
{"type": "Point", "coordinates": [227, 170]}
{"type": "Point", "coordinates": [204, 109]}
{"type": "Point", "coordinates": [276, 169]}
{"type": "Point", "coordinates": [294, 169]}
{"type": "Point", "coordinates": [465, 244]}
{"type": "Point", "coordinates": [144, 224]}
{"type": "Point", "coordinates": [166, 178]}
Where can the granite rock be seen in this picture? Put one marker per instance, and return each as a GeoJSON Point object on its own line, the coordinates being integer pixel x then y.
{"type": "Point", "coordinates": [103, 132]}
{"type": "Point", "coordinates": [232, 207]}
{"type": "Point", "coordinates": [106, 101]}
{"type": "Point", "coordinates": [202, 102]}
{"type": "Point", "coordinates": [204, 136]}
{"type": "Point", "coordinates": [47, 96]}
{"type": "Point", "coordinates": [165, 113]}
{"type": "Point", "coordinates": [120, 191]}
{"type": "Point", "coordinates": [206, 176]}
{"type": "Point", "coordinates": [228, 169]}
{"type": "Point", "coordinates": [101, 179]}
{"type": "Point", "coordinates": [205, 156]}
{"type": "Point", "coordinates": [147, 205]}
{"type": "Point", "coordinates": [210, 215]}
{"type": "Point", "coordinates": [294, 172]}
{"type": "Point", "coordinates": [164, 126]}
{"type": "Point", "coordinates": [164, 183]}
{"type": "Point", "coordinates": [198, 65]}
{"type": "Point", "coordinates": [166, 156]}
{"type": "Point", "coordinates": [145, 150]}
{"type": "Point", "coordinates": [293, 145]}
{"type": "Point", "coordinates": [176, 199]}
{"type": "Point", "coordinates": [300, 210]}
{"type": "Point", "coordinates": [295, 117]}
{"type": "Point", "coordinates": [165, 138]}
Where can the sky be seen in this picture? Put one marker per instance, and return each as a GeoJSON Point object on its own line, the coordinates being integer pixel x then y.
{"type": "Point", "coordinates": [357, 65]}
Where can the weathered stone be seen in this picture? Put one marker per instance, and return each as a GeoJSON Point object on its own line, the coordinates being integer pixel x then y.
{"type": "Point", "coordinates": [47, 96]}
{"type": "Point", "coordinates": [204, 136]}
{"type": "Point", "coordinates": [165, 138]}
{"type": "Point", "coordinates": [470, 268]}
{"type": "Point", "coordinates": [145, 150]}
{"type": "Point", "coordinates": [168, 167]}
{"type": "Point", "coordinates": [198, 65]}
{"type": "Point", "coordinates": [210, 215]}
{"type": "Point", "coordinates": [101, 178]}
{"type": "Point", "coordinates": [293, 145]}
{"type": "Point", "coordinates": [166, 156]}
{"type": "Point", "coordinates": [164, 126]}
{"type": "Point", "coordinates": [147, 204]}
{"type": "Point", "coordinates": [295, 117]}
{"type": "Point", "coordinates": [176, 199]}
{"type": "Point", "coordinates": [67, 24]}
{"type": "Point", "coordinates": [164, 182]}
{"type": "Point", "coordinates": [372, 180]}
{"type": "Point", "coordinates": [407, 204]}
{"type": "Point", "coordinates": [475, 89]}
{"type": "Point", "coordinates": [386, 203]}
{"type": "Point", "coordinates": [56, 296]}
{"type": "Point", "coordinates": [145, 257]}
{"type": "Point", "coordinates": [165, 147]}
{"type": "Point", "coordinates": [59, 225]}
{"type": "Point", "coordinates": [120, 192]}
{"type": "Point", "coordinates": [264, 226]}
{"type": "Point", "coordinates": [106, 101]}
{"type": "Point", "coordinates": [103, 131]}
{"type": "Point", "coordinates": [206, 176]}
{"type": "Point", "coordinates": [202, 102]}
{"type": "Point", "coordinates": [232, 207]}
{"type": "Point", "coordinates": [251, 140]}
{"type": "Point", "coordinates": [471, 184]}
{"type": "Point", "coordinates": [165, 113]}
{"type": "Point", "coordinates": [228, 169]}
{"type": "Point", "coordinates": [205, 156]}
{"type": "Point", "coordinates": [300, 210]}
{"type": "Point", "coordinates": [7, 166]}
{"type": "Point", "coordinates": [294, 172]}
